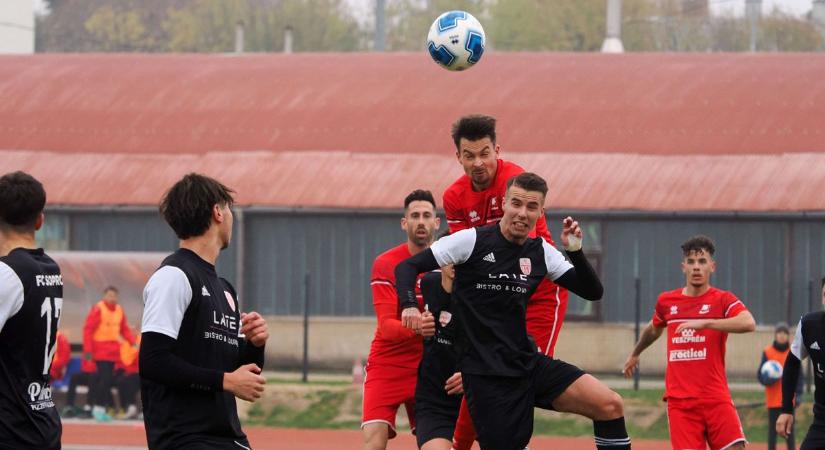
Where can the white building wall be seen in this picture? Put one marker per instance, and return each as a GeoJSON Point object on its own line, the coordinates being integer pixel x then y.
{"type": "Point", "coordinates": [16, 26]}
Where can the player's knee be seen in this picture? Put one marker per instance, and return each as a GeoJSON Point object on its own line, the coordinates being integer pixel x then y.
{"type": "Point", "coordinates": [612, 407]}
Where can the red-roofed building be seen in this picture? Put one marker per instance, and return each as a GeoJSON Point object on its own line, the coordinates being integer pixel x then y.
{"type": "Point", "coordinates": [647, 149]}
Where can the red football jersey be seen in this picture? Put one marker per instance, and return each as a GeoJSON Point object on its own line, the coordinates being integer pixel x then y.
{"type": "Point", "coordinates": [695, 358]}
{"type": "Point", "coordinates": [466, 208]}
{"type": "Point", "coordinates": [393, 344]}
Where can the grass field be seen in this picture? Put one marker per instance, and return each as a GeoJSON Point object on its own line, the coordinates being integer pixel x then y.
{"type": "Point", "coordinates": [337, 405]}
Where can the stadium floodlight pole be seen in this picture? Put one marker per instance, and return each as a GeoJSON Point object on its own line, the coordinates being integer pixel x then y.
{"type": "Point", "coordinates": [239, 36]}
{"type": "Point", "coordinates": [305, 365]}
{"type": "Point", "coordinates": [613, 41]}
{"type": "Point", "coordinates": [288, 39]}
{"type": "Point", "coordinates": [380, 24]}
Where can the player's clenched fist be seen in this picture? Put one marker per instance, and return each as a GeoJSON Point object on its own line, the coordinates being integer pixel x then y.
{"type": "Point", "coordinates": [253, 326]}
{"type": "Point", "coordinates": [411, 318]}
{"type": "Point", "coordinates": [245, 382]}
{"type": "Point", "coordinates": [784, 425]}
{"type": "Point", "coordinates": [427, 324]}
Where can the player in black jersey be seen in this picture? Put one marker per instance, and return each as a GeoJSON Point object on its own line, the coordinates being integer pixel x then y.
{"type": "Point", "coordinates": [497, 268]}
{"type": "Point", "coordinates": [31, 299]}
{"type": "Point", "coordinates": [809, 341]}
{"type": "Point", "coordinates": [438, 389]}
{"type": "Point", "coordinates": [198, 351]}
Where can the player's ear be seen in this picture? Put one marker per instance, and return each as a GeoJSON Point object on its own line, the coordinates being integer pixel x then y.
{"type": "Point", "coordinates": [404, 223]}
{"type": "Point", "coordinates": [498, 150]}
{"type": "Point", "coordinates": [217, 213]}
{"type": "Point", "coordinates": [38, 223]}
{"type": "Point", "coordinates": [437, 223]}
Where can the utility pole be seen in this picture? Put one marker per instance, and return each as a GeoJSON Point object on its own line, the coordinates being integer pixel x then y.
{"type": "Point", "coordinates": [380, 24]}
{"type": "Point", "coordinates": [753, 11]}
{"type": "Point", "coordinates": [613, 41]}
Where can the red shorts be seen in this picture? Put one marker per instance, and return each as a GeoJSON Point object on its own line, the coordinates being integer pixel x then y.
{"type": "Point", "coordinates": [545, 315]}
{"type": "Point", "coordinates": [385, 389]}
{"type": "Point", "coordinates": [694, 422]}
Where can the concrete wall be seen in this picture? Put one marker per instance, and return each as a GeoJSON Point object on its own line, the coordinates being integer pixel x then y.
{"type": "Point", "coordinates": [598, 348]}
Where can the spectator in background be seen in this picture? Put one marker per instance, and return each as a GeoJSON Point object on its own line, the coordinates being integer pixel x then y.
{"type": "Point", "coordinates": [127, 379]}
{"type": "Point", "coordinates": [105, 325]}
{"type": "Point", "coordinates": [777, 351]}
{"type": "Point", "coordinates": [82, 378]}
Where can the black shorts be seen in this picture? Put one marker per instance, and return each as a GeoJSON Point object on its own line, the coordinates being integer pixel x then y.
{"type": "Point", "coordinates": [435, 412]}
{"type": "Point", "coordinates": [502, 407]}
{"type": "Point", "coordinates": [815, 439]}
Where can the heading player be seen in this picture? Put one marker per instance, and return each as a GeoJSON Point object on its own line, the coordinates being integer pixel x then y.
{"type": "Point", "coordinates": [31, 300]}
{"type": "Point", "coordinates": [809, 332]}
{"type": "Point", "coordinates": [395, 350]}
{"type": "Point", "coordinates": [698, 318]}
{"type": "Point", "coordinates": [198, 351]}
{"type": "Point", "coordinates": [498, 267]}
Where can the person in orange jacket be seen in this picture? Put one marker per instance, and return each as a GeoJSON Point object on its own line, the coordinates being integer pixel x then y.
{"type": "Point", "coordinates": [105, 325]}
{"type": "Point", "coordinates": [62, 355]}
{"type": "Point", "coordinates": [777, 351]}
{"type": "Point", "coordinates": [128, 380]}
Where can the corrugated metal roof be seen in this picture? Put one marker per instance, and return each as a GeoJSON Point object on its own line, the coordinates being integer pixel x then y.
{"type": "Point", "coordinates": [786, 182]}
{"type": "Point", "coordinates": [391, 102]}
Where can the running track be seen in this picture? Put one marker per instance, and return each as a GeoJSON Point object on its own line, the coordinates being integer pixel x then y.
{"type": "Point", "coordinates": [85, 435]}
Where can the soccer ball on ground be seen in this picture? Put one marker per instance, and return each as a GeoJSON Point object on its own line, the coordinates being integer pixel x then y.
{"type": "Point", "coordinates": [456, 40]}
{"type": "Point", "coordinates": [771, 371]}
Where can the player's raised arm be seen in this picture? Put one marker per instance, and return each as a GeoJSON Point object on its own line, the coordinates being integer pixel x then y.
{"type": "Point", "coordinates": [454, 249]}
{"type": "Point", "coordinates": [581, 278]}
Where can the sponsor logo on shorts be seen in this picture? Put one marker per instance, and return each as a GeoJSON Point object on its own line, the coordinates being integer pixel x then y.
{"type": "Point", "coordinates": [688, 337]}
{"type": "Point", "coordinates": [690, 354]}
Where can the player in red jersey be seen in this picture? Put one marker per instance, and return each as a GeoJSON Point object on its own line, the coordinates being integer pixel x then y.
{"type": "Point", "coordinates": [476, 199]}
{"type": "Point", "coordinates": [392, 365]}
{"type": "Point", "coordinates": [698, 318]}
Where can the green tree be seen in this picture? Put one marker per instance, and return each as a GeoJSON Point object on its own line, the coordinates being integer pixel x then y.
{"type": "Point", "coordinates": [118, 29]}
{"type": "Point", "coordinates": [785, 33]}
{"type": "Point", "coordinates": [542, 25]}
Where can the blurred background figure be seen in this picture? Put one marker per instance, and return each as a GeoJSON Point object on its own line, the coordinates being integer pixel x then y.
{"type": "Point", "coordinates": [105, 325]}
{"type": "Point", "coordinates": [778, 352]}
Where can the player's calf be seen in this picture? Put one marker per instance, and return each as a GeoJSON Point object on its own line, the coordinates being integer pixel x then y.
{"type": "Point", "coordinates": [376, 436]}
{"type": "Point", "coordinates": [591, 398]}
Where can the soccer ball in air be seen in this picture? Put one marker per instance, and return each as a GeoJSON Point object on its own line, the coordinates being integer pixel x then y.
{"type": "Point", "coordinates": [771, 371]}
{"type": "Point", "coordinates": [456, 40]}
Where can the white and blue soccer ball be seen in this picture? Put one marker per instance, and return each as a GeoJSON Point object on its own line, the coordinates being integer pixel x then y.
{"type": "Point", "coordinates": [456, 40]}
{"type": "Point", "coordinates": [771, 371]}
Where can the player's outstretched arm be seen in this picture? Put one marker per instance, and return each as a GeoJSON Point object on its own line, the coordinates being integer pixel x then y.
{"type": "Point", "coordinates": [649, 335]}
{"type": "Point", "coordinates": [581, 279]}
{"type": "Point", "coordinates": [406, 274]}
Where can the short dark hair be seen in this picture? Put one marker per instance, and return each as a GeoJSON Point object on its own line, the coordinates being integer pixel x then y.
{"type": "Point", "coordinates": [529, 182]}
{"type": "Point", "coordinates": [419, 195]}
{"type": "Point", "coordinates": [187, 205]}
{"type": "Point", "coordinates": [698, 243]}
{"type": "Point", "coordinates": [22, 199]}
{"type": "Point", "coordinates": [111, 289]}
{"type": "Point", "coordinates": [473, 128]}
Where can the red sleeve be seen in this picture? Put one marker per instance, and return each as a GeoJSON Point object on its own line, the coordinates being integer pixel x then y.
{"type": "Point", "coordinates": [733, 306]}
{"type": "Point", "coordinates": [453, 211]}
{"type": "Point", "coordinates": [125, 331]}
{"type": "Point", "coordinates": [659, 316]}
{"type": "Point", "coordinates": [385, 301]}
{"type": "Point", "coordinates": [92, 322]}
{"type": "Point", "coordinates": [62, 354]}
{"type": "Point", "coordinates": [543, 230]}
